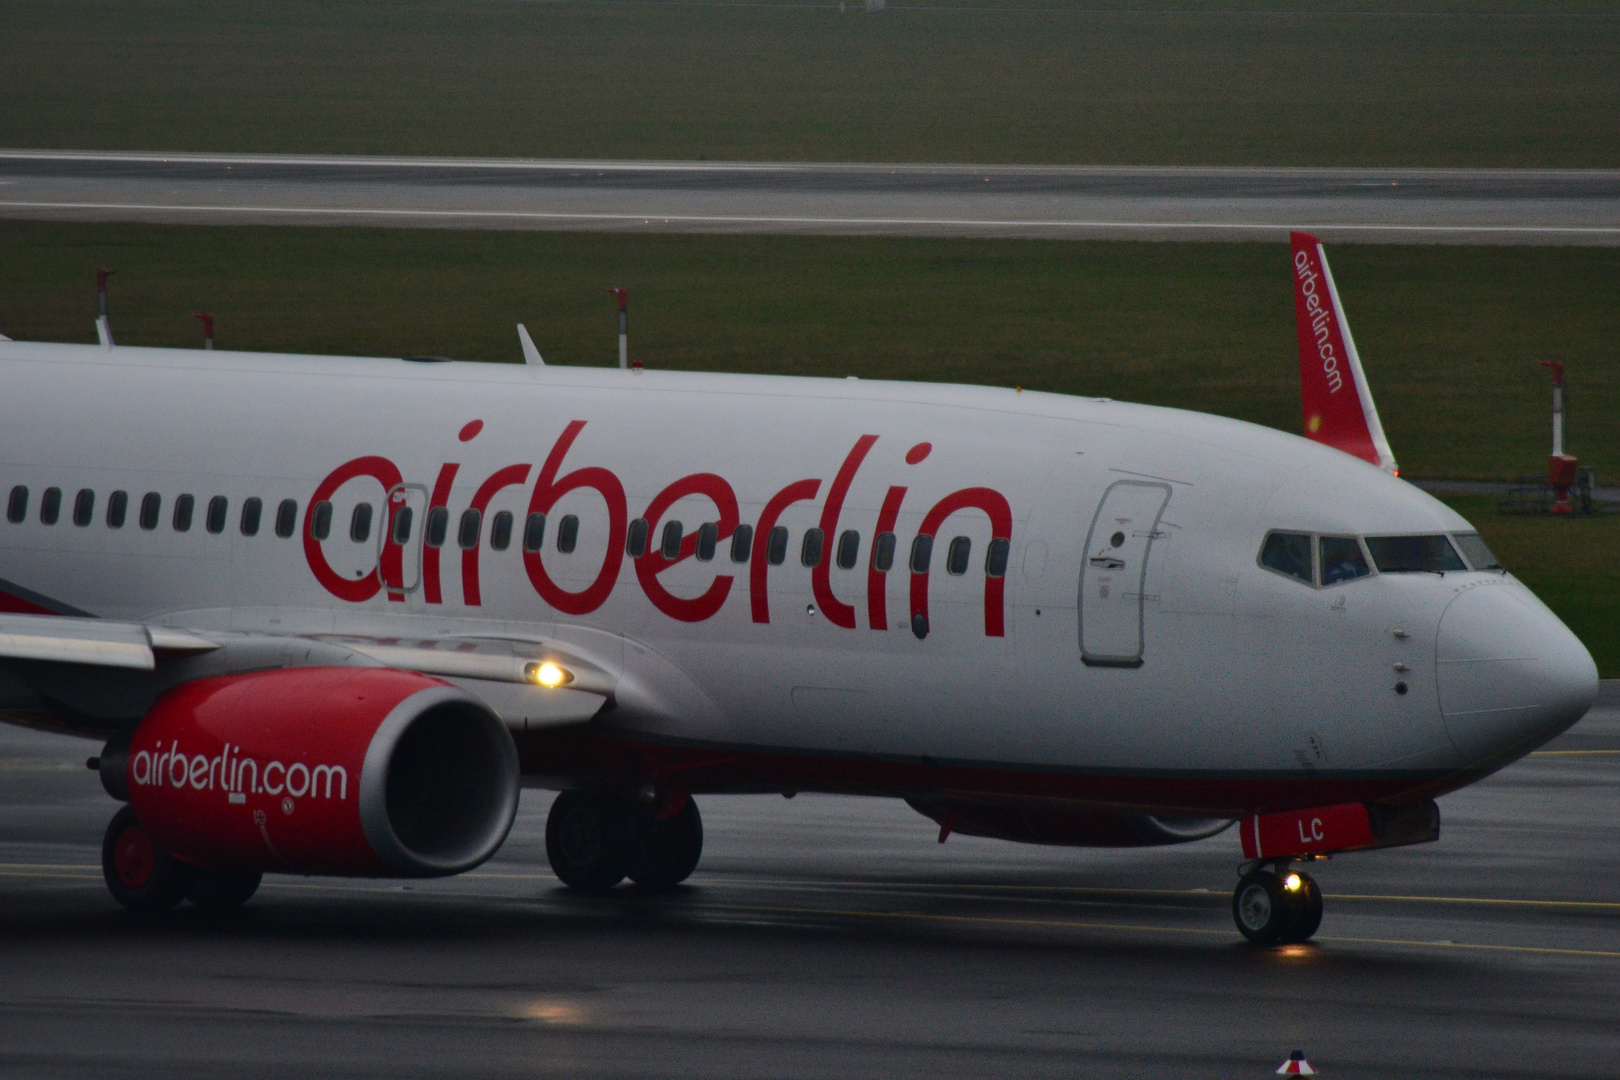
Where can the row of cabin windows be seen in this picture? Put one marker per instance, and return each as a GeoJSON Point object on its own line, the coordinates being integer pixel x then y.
{"type": "Point", "coordinates": [469, 530]}
{"type": "Point", "coordinates": [150, 512]}
{"type": "Point", "coordinates": [470, 525]}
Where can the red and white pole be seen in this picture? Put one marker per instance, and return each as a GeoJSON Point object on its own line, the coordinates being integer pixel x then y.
{"type": "Point", "coordinates": [208, 328]}
{"type": "Point", "coordinates": [624, 324]}
{"type": "Point", "coordinates": [1560, 466]}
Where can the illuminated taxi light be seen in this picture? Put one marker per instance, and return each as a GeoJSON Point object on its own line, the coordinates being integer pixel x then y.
{"type": "Point", "coordinates": [1292, 883]}
{"type": "Point", "coordinates": [547, 674]}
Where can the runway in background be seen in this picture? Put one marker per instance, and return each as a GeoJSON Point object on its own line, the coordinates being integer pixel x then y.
{"type": "Point", "coordinates": [1341, 205]}
{"type": "Point", "coordinates": [834, 937]}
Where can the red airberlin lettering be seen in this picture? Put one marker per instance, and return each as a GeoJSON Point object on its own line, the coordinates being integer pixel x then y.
{"type": "Point", "coordinates": [548, 488]}
{"type": "Point", "coordinates": [386, 473]}
{"type": "Point", "coordinates": [995, 506]}
{"type": "Point", "coordinates": [511, 476]}
{"type": "Point", "coordinates": [877, 581]}
{"type": "Point", "coordinates": [653, 563]}
{"type": "Point", "coordinates": [1324, 358]}
{"type": "Point", "coordinates": [837, 612]}
{"type": "Point", "coordinates": [759, 567]}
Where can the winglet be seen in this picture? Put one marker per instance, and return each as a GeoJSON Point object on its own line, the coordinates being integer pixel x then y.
{"type": "Point", "coordinates": [531, 355]}
{"type": "Point", "coordinates": [104, 332]}
{"type": "Point", "coordinates": [1339, 409]}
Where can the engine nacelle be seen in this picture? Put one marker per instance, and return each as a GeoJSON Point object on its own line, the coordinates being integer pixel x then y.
{"type": "Point", "coordinates": [324, 770]}
{"type": "Point", "coordinates": [1063, 826]}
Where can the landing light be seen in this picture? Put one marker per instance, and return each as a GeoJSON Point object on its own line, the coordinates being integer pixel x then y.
{"type": "Point", "coordinates": [547, 674]}
{"type": "Point", "coordinates": [1292, 883]}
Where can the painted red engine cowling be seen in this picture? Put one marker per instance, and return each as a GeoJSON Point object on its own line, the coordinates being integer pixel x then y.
{"type": "Point", "coordinates": [347, 771]}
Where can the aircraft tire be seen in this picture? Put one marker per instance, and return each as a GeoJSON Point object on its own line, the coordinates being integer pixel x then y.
{"type": "Point", "coordinates": [140, 874]}
{"type": "Point", "coordinates": [590, 837]}
{"type": "Point", "coordinates": [669, 850]}
{"type": "Point", "coordinates": [1261, 908]}
{"type": "Point", "coordinates": [219, 891]}
{"type": "Point", "coordinates": [1307, 912]}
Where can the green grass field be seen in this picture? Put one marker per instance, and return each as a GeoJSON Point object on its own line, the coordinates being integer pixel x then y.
{"type": "Point", "coordinates": [1449, 335]}
{"type": "Point", "coordinates": [1300, 82]}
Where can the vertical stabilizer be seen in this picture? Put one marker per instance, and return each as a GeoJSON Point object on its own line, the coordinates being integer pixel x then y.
{"type": "Point", "coordinates": [1339, 409]}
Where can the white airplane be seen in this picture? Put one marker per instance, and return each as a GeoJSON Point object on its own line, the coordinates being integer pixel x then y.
{"type": "Point", "coordinates": [330, 614]}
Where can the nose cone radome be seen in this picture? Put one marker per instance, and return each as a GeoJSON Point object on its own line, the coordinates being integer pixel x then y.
{"type": "Point", "coordinates": [1510, 674]}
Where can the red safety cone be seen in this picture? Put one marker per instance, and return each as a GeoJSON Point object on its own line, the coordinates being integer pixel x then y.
{"type": "Point", "coordinates": [1296, 1065]}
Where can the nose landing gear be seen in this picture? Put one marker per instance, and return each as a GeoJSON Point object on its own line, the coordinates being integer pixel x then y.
{"type": "Point", "coordinates": [1275, 905]}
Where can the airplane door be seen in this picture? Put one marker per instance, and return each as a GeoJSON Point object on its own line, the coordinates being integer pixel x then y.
{"type": "Point", "coordinates": [400, 554]}
{"type": "Point", "coordinates": [1112, 574]}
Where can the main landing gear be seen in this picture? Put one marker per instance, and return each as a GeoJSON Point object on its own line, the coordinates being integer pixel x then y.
{"type": "Point", "coordinates": [144, 877]}
{"type": "Point", "coordinates": [595, 839]}
{"type": "Point", "coordinates": [1276, 905]}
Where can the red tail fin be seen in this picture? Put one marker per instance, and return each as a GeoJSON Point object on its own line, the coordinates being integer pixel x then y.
{"type": "Point", "coordinates": [1339, 408]}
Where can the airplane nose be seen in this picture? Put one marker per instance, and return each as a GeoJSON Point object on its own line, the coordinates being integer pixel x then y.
{"type": "Point", "coordinates": [1509, 672]}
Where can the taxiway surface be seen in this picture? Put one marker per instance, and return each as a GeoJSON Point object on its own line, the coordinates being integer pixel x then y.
{"type": "Point", "coordinates": [834, 937]}
{"type": "Point", "coordinates": [1343, 205]}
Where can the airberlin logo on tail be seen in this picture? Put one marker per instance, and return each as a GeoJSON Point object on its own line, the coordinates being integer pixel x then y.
{"type": "Point", "coordinates": [236, 775]}
{"type": "Point", "coordinates": [1320, 318]}
{"type": "Point", "coordinates": [552, 483]}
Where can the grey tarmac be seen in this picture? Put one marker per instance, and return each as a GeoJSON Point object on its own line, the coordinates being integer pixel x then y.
{"type": "Point", "coordinates": [834, 936]}
{"type": "Point", "coordinates": [1147, 203]}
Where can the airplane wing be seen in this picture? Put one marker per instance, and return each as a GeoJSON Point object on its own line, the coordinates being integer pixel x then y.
{"type": "Point", "coordinates": [528, 682]}
{"type": "Point", "coordinates": [1339, 409]}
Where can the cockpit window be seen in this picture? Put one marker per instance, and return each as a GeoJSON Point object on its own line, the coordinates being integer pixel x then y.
{"type": "Point", "coordinates": [1413, 554]}
{"type": "Point", "coordinates": [1288, 553]}
{"type": "Point", "coordinates": [1341, 559]}
{"type": "Point", "coordinates": [1474, 550]}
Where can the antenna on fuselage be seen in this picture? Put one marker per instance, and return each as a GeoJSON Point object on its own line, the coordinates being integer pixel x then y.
{"type": "Point", "coordinates": [531, 355]}
{"type": "Point", "coordinates": [103, 328]}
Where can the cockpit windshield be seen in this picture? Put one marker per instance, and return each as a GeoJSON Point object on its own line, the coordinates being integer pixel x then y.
{"type": "Point", "coordinates": [1474, 550]}
{"type": "Point", "coordinates": [1414, 554]}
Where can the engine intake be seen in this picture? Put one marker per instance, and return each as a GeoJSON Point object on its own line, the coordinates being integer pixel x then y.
{"type": "Point", "coordinates": [347, 771]}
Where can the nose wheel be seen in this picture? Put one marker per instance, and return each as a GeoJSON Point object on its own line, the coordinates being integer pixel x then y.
{"type": "Point", "coordinates": [1276, 905]}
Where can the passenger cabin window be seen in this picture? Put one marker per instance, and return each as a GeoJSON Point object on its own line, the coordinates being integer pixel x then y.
{"type": "Point", "coordinates": [957, 556]}
{"type": "Point", "coordinates": [1413, 554]}
{"type": "Point", "coordinates": [883, 552]}
{"type": "Point", "coordinates": [534, 532]}
{"type": "Point", "coordinates": [742, 543]}
{"type": "Point", "coordinates": [360, 523]}
{"type": "Point", "coordinates": [184, 506]}
{"type": "Point", "coordinates": [287, 518]}
{"type": "Point", "coordinates": [635, 544]}
{"type": "Point", "coordinates": [1341, 559]}
{"type": "Point", "coordinates": [776, 546]}
{"type": "Point", "coordinates": [320, 522]}
{"type": "Point", "coordinates": [500, 530]}
{"type": "Point", "coordinates": [252, 514]}
{"type": "Point", "coordinates": [811, 547]}
{"type": "Point", "coordinates": [151, 510]}
{"type": "Point", "coordinates": [1474, 550]}
{"type": "Point", "coordinates": [670, 545]}
{"type": "Point", "coordinates": [50, 506]}
{"type": "Point", "coordinates": [117, 509]}
{"type": "Point", "coordinates": [438, 526]}
{"type": "Point", "coordinates": [404, 518]}
{"type": "Point", "coordinates": [472, 523]}
{"type": "Point", "coordinates": [218, 508]}
{"type": "Point", "coordinates": [567, 533]}
{"type": "Point", "coordinates": [995, 558]}
{"type": "Point", "coordinates": [17, 505]}
{"type": "Point", "coordinates": [1288, 553]}
{"type": "Point", "coordinates": [849, 549]}
{"type": "Point", "coordinates": [708, 538]}
{"type": "Point", "coordinates": [84, 507]}
{"type": "Point", "coordinates": [922, 552]}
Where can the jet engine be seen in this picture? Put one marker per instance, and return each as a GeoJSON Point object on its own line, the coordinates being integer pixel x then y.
{"type": "Point", "coordinates": [323, 770]}
{"type": "Point", "coordinates": [1052, 823]}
